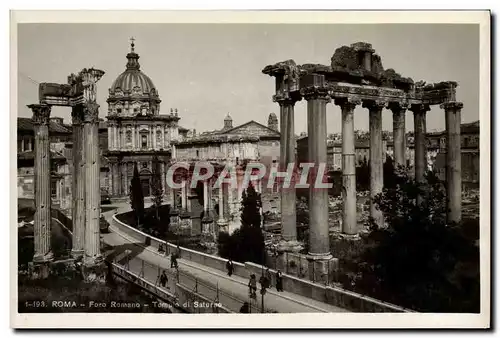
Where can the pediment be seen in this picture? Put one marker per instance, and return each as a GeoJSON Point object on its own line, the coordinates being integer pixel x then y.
{"type": "Point", "coordinates": [252, 128]}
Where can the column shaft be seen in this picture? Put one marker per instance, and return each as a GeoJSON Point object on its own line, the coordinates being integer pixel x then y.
{"type": "Point", "coordinates": [398, 129]}
{"type": "Point", "coordinates": [349, 224]}
{"type": "Point", "coordinates": [319, 241]}
{"type": "Point", "coordinates": [287, 155]}
{"type": "Point", "coordinates": [419, 114]}
{"type": "Point", "coordinates": [453, 161]}
{"type": "Point", "coordinates": [92, 189]}
{"type": "Point", "coordinates": [42, 226]}
{"type": "Point", "coordinates": [376, 158]}
{"type": "Point", "coordinates": [78, 208]}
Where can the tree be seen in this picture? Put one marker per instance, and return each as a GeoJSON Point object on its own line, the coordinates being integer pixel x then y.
{"type": "Point", "coordinates": [156, 186]}
{"type": "Point", "coordinates": [418, 261]}
{"type": "Point", "coordinates": [246, 244]}
{"type": "Point", "coordinates": [389, 172]}
{"type": "Point", "coordinates": [136, 196]}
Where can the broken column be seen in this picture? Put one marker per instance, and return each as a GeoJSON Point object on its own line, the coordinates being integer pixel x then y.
{"type": "Point", "coordinates": [453, 161]}
{"type": "Point", "coordinates": [42, 222]}
{"type": "Point", "coordinates": [78, 185]}
{"type": "Point", "coordinates": [376, 157]}
{"type": "Point", "coordinates": [349, 222]}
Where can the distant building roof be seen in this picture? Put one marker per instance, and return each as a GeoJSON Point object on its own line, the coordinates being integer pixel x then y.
{"type": "Point", "coordinates": [26, 124]}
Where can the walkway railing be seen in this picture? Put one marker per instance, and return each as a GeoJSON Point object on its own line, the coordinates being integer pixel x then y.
{"type": "Point", "coordinates": [213, 292]}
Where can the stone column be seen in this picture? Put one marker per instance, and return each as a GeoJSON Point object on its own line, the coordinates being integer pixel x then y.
{"type": "Point", "coordinates": [163, 142]}
{"type": "Point", "coordinates": [419, 115]}
{"type": "Point", "coordinates": [125, 187]}
{"type": "Point", "coordinates": [163, 186]}
{"type": "Point", "coordinates": [287, 155]}
{"type": "Point", "coordinates": [78, 184]}
{"type": "Point", "coordinates": [92, 187]}
{"type": "Point", "coordinates": [399, 133]}
{"type": "Point", "coordinates": [376, 157]}
{"type": "Point", "coordinates": [134, 145]}
{"type": "Point", "coordinates": [184, 195]}
{"type": "Point", "coordinates": [349, 222]}
{"type": "Point", "coordinates": [110, 136]}
{"type": "Point", "coordinates": [453, 161]}
{"type": "Point", "coordinates": [317, 98]}
{"type": "Point", "coordinates": [42, 226]}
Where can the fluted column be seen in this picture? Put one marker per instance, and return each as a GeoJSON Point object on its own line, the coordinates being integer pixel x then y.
{"type": "Point", "coordinates": [78, 184]}
{"type": "Point", "coordinates": [287, 155]}
{"type": "Point", "coordinates": [376, 157]}
{"type": "Point", "coordinates": [419, 115]}
{"type": "Point", "coordinates": [42, 226]}
{"type": "Point", "coordinates": [399, 133]}
{"type": "Point", "coordinates": [92, 188]}
{"type": "Point", "coordinates": [317, 98]}
{"type": "Point", "coordinates": [349, 222]}
{"type": "Point", "coordinates": [453, 161]}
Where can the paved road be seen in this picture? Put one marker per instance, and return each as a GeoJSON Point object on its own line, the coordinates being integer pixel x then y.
{"type": "Point", "coordinates": [233, 291]}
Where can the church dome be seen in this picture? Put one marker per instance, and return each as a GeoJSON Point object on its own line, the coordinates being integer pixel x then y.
{"type": "Point", "coordinates": [133, 92]}
{"type": "Point", "coordinates": [133, 80]}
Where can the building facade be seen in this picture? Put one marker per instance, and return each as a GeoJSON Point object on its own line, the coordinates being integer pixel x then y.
{"type": "Point", "coordinates": [137, 132]}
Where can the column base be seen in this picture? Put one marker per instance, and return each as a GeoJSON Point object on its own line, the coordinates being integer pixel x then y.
{"type": "Point", "coordinates": [223, 225]}
{"type": "Point", "coordinates": [290, 246]}
{"type": "Point", "coordinates": [322, 268]}
{"type": "Point", "coordinates": [90, 261]}
{"type": "Point", "coordinates": [96, 273]}
{"type": "Point", "coordinates": [48, 257]}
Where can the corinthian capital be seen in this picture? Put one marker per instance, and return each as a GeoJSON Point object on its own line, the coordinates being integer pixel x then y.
{"type": "Point", "coordinates": [91, 113]}
{"type": "Point", "coordinates": [41, 113]}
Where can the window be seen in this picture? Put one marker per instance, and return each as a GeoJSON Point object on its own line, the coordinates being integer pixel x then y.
{"type": "Point", "coordinates": [53, 188]}
{"type": "Point", "coordinates": [197, 153]}
{"type": "Point", "coordinates": [144, 141]}
{"type": "Point", "coordinates": [129, 136]}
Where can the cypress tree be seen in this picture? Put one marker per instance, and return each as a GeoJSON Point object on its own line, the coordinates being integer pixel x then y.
{"type": "Point", "coordinates": [136, 196]}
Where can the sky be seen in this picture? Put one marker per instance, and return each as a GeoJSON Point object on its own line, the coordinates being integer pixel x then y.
{"type": "Point", "coordinates": [209, 70]}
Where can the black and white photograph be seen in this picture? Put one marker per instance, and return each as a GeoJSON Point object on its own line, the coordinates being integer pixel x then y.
{"type": "Point", "coordinates": [264, 171]}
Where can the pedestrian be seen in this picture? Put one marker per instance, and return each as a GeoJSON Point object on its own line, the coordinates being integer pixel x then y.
{"type": "Point", "coordinates": [173, 260]}
{"type": "Point", "coordinates": [269, 277]}
{"type": "Point", "coordinates": [279, 281]}
{"type": "Point", "coordinates": [245, 308]}
{"type": "Point", "coordinates": [229, 267]}
{"type": "Point", "coordinates": [252, 286]}
{"type": "Point", "coordinates": [163, 279]}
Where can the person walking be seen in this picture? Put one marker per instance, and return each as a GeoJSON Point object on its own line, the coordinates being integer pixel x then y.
{"type": "Point", "coordinates": [163, 279]}
{"type": "Point", "coordinates": [279, 281]}
{"type": "Point", "coordinates": [173, 260]}
{"type": "Point", "coordinates": [252, 286]}
{"type": "Point", "coordinates": [269, 277]}
{"type": "Point", "coordinates": [229, 267]}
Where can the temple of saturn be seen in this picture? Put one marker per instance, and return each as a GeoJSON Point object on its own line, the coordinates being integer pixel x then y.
{"type": "Point", "coordinates": [356, 77]}
{"type": "Point", "coordinates": [79, 94]}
